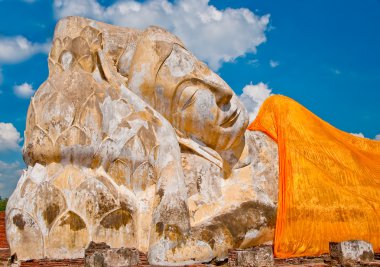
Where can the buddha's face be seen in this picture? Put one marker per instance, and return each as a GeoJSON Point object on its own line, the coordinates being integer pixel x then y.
{"type": "Point", "coordinates": [203, 106]}
{"type": "Point", "coordinates": [195, 100]}
{"type": "Point", "coordinates": [212, 115]}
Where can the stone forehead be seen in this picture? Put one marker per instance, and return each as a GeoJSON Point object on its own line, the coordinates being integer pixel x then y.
{"type": "Point", "coordinates": [72, 27]}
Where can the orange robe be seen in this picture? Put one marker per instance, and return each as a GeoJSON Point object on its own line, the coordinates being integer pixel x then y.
{"type": "Point", "coordinates": [329, 181]}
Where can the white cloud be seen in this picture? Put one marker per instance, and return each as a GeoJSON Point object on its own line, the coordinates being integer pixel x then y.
{"type": "Point", "coordinates": [253, 97]}
{"type": "Point", "coordinates": [358, 134]}
{"type": "Point", "coordinates": [9, 175]}
{"type": "Point", "coordinates": [9, 137]}
{"type": "Point", "coordinates": [213, 35]}
{"type": "Point", "coordinates": [18, 48]}
{"type": "Point", "coordinates": [24, 90]}
{"type": "Point", "coordinates": [273, 63]}
{"type": "Point", "coordinates": [377, 137]}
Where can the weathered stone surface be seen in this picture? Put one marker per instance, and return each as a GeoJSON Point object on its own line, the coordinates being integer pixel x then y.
{"type": "Point", "coordinates": [351, 252]}
{"type": "Point", "coordinates": [101, 255]}
{"type": "Point", "coordinates": [134, 142]}
{"type": "Point", "coordinates": [259, 256]}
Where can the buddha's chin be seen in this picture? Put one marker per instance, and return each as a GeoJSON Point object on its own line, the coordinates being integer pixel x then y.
{"type": "Point", "coordinates": [237, 139]}
{"type": "Point", "coordinates": [233, 134]}
{"type": "Point", "coordinates": [231, 137]}
{"type": "Point", "coordinates": [220, 137]}
{"type": "Point", "coordinates": [228, 141]}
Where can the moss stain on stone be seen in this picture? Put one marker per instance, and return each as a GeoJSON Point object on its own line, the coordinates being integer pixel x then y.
{"type": "Point", "coordinates": [50, 213]}
{"type": "Point", "coordinates": [74, 221]}
{"type": "Point", "coordinates": [116, 219]}
{"type": "Point", "coordinates": [159, 228]}
{"type": "Point", "coordinates": [18, 220]}
{"type": "Point", "coordinates": [105, 204]}
{"type": "Point", "coordinates": [208, 237]}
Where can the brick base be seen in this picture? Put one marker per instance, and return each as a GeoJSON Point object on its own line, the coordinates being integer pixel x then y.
{"type": "Point", "coordinates": [3, 237]}
{"type": "Point", "coordinates": [55, 263]}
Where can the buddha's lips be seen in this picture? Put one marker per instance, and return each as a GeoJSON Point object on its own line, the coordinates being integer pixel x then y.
{"type": "Point", "coordinates": [230, 120]}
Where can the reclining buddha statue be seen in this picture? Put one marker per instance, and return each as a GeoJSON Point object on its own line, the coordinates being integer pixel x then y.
{"type": "Point", "coordinates": [134, 142]}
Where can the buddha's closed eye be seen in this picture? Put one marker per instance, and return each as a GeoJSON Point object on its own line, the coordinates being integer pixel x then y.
{"type": "Point", "coordinates": [190, 100]}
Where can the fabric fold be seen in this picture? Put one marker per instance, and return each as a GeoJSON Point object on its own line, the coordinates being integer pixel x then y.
{"type": "Point", "coordinates": [329, 184]}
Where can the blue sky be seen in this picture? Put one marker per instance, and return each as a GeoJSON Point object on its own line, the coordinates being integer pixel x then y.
{"type": "Point", "coordinates": [325, 54]}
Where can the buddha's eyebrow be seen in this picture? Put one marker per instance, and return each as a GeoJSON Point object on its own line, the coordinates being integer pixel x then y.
{"type": "Point", "coordinates": [190, 101]}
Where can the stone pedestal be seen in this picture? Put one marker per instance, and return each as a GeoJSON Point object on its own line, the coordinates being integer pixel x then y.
{"type": "Point", "coordinates": [101, 255]}
{"type": "Point", "coordinates": [259, 256]}
{"type": "Point", "coordinates": [352, 252]}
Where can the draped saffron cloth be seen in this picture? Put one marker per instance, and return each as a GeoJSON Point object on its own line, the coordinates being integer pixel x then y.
{"type": "Point", "coordinates": [329, 181]}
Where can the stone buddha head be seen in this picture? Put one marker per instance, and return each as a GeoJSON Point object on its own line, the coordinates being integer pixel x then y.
{"type": "Point", "coordinates": [195, 100]}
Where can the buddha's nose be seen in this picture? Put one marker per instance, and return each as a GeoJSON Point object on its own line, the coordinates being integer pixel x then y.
{"type": "Point", "coordinates": [223, 95]}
